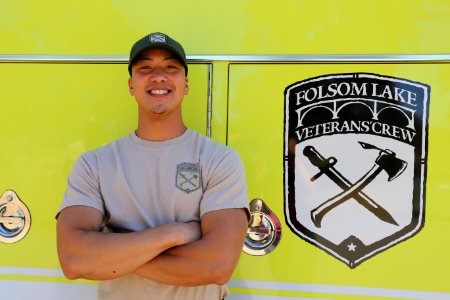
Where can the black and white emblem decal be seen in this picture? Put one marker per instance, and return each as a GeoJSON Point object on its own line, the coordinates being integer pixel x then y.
{"type": "Point", "coordinates": [355, 162]}
{"type": "Point", "coordinates": [188, 177]}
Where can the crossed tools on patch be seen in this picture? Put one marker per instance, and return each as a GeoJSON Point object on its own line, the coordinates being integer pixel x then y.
{"type": "Point", "coordinates": [386, 161]}
{"type": "Point", "coordinates": [188, 180]}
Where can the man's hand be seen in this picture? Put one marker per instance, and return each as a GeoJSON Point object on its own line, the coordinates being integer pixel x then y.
{"type": "Point", "coordinates": [189, 232]}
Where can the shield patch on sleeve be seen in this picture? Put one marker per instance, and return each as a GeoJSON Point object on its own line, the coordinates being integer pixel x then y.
{"type": "Point", "coordinates": [355, 151]}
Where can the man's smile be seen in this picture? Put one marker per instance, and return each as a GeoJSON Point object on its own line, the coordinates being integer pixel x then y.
{"type": "Point", "coordinates": [159, 92]}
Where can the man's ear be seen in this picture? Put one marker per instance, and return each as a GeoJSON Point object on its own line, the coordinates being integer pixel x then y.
{"type": "Point", "coordinates": [186, 88]}
{"type": "Point", "coordinates": [130, 86]}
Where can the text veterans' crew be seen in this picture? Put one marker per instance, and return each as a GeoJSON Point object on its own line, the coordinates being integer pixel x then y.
{"type": "Point", "coordinates": [161, 213]}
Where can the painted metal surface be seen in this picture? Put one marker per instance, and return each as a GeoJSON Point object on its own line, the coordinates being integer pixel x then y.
{"type": "Point", "coordinates": [63, 91]}
{"type": "Point", "coordinates": [235, 27]}
{"type": "Point", "coordinates": [256, 117]}
{"type": "Point", "coordinates": [52, 113]}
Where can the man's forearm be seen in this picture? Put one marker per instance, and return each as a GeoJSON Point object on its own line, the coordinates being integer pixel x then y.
{"type": "Point", "coordinates": [101, 256]}
{"type": "Point", "coordinates": [84, 252]}
{"type": "Point", "coordinates": [210, 260]}
{"type": "Point", "coordinates": [181, 266]}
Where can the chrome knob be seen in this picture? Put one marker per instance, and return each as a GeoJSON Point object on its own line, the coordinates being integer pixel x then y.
{"type": "Point", "coordinates": [15, 219]}
{"type": "Point", "coordinates": [264, 231]}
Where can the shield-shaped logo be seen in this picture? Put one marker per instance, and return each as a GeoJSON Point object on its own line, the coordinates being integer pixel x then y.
{"type": "Point", "coordinates": [188, 177]}
{"type": "Point", "coordinates": [157, 38]}
{"type": "Point", "coordinates": [355, 162]}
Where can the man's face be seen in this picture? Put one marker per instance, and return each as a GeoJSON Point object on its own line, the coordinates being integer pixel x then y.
{"type": "Point", "coordinates": [158, 82]}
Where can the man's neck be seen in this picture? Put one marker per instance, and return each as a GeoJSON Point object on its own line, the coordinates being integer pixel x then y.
{"type": "Point", "coordinates": [159, 129]}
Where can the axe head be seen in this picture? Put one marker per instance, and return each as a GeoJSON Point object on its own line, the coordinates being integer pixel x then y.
{"type": "Point", "coordinates": [393, 165]}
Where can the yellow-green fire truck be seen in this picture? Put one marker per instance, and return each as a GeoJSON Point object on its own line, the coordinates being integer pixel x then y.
{"type": "Point", "coordinates": [340, 111]}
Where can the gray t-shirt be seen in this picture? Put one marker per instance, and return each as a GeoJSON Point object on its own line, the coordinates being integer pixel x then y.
{"type": "Point", "coordinates": [138, 184]}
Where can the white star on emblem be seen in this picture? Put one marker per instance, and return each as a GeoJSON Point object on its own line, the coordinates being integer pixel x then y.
{"type": "Point", "coordinates": [351, 247]}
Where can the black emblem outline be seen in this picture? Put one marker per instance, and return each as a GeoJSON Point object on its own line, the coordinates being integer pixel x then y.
{"type": "Point", "coordinates": [419, 189]}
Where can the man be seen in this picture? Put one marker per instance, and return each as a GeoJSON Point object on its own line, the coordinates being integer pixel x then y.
{"type": "Point", "coordinates": [161, 213]}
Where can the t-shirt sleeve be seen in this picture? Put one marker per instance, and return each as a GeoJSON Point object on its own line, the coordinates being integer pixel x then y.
{"type": "Point", "coordinates": [83, 187]}
{"type": "Point", "coordinates": [226, 186]}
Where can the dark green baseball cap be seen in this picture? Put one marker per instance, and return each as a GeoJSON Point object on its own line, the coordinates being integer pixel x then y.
{"type": "Point", "coordinates": [160, 41]}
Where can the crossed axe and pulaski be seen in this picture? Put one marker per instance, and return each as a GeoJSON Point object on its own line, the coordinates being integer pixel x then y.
{"type": "Point", "coordinates": [188, 180]}
{"type": "Point", "coordinates": [386, 161]}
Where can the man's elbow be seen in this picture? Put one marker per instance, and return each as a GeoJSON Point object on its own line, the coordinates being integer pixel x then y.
{"type": "Point", "coordinates": [70, 268]}
{"type": "Point", "coordinates": [222, 279]}
{"type": "Point", "coordinates": [221, 273]}
{"type": "Point", "coordinates": [70, 273]}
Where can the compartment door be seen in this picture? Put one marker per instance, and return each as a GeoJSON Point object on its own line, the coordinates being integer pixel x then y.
{"type": "Point", "coordinates": [348, 220]}
{"type": "Point", "coordinates": [50, 114]}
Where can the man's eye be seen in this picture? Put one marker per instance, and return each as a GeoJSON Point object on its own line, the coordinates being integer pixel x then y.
{"type": "Point", "coordinates": [145, 68]}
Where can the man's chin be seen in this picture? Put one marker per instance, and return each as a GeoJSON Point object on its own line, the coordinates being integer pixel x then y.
{"type": "Point", "coordinates": [159, 110]}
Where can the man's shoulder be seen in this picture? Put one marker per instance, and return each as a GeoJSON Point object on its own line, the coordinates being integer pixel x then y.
{"type": "Point", "coordinates": [214, 153]}
{"type": "Point", "coordinates": [211, 146]}
{"type": "Point", "coordinates": [104, 151]}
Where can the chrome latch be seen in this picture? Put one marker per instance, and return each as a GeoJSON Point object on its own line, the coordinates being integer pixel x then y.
{"type": "Point", "coordinates": [15, 218]}
{"type": "Point", "coordinates": [264, 231]}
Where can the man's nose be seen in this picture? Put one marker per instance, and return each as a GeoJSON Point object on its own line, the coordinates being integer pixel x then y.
{"type": "Point", "coordinates": [158, 74]}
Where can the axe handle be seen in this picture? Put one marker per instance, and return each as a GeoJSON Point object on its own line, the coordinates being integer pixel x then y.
{"type": "Point", "coordinates": [326, 168]}
{"type": "Point", "coordinates": [319, 212]}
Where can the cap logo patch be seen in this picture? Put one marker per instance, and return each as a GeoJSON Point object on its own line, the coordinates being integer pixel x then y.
{"type": "Point", "coordinates": [157, 38]}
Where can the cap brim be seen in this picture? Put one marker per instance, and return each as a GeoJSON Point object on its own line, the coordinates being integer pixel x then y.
{"type": "Point", "coordinates": [157, 46]}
